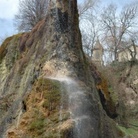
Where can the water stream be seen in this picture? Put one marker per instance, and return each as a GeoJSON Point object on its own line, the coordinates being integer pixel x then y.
{"type": "Point", "coordinates": [78, 106]}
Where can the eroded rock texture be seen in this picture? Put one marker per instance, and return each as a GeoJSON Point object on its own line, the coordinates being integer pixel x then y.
{"type": "Point", "coordinates": [52, 49]}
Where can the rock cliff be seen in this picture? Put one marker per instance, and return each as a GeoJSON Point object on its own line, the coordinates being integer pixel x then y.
{"type": "Point", "coordinates": [49, 88]}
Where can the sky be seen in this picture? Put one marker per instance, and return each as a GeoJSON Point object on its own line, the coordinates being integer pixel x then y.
{"type": "Point", "coordinates": [8, 8]}
{"type": "Point", "coordinates": [118, 2]}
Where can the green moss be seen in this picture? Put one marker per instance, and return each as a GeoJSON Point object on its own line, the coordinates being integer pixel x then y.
{"type": "Point", "coordinates": [133, 122]}
{"type": "Point", "coordinates": [37, 124]}
{"type": "Point", "coordinates": [14, 40]}
{"type": "Point", "coordinates": [45, 101]}
{"type": "Point", "coordinates": [50, 93]}
{"type": "Point", "coordinates": [113, 95]}
{"type": "Point", "coordinates": [51, 90]}
{"type": "Point", "coordinates": [128, 131]}
{"type": "Point", "coordinates": [3, 47]}
{"type": "Point", "coordinates": [17, 36]}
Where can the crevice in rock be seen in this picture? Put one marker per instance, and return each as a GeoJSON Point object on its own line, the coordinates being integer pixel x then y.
{"type": "Point", "coordinates": [24, 108]}
{"type": "Point", "coordinates": [106, 105]}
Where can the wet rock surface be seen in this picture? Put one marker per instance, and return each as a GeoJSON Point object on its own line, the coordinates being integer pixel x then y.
{"type": "Point", "coordinates": [52, 49]}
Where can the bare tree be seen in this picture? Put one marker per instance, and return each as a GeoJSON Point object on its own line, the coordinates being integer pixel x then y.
{"type": "Point", "coordinates": [116, 26]}
{"type": "Point", "coordinates": [133, 52]}
{"type": "Point", "coordinates": [90, 33]}
{"type": "Point", "coordinates": [86, 5]}
{"type": "Point", "coordinates": [30, 13]}
{"type": "Point", "coordinates": [132, 47]}
{"type": "Point", "coordinates": [88, 25]}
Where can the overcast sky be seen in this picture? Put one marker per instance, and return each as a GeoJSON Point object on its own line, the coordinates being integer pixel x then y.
{"type": "Point", "coordinates": [118, 2]}
{"type": "Point", "coordinates": [8, 8]}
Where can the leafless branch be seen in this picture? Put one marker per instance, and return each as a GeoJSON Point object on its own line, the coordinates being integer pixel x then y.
{"type": "Point", "coordinates": [30, 13]}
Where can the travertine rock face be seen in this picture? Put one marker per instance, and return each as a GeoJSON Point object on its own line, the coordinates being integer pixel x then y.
{"type": "Point", "coordinates": [51, 50]}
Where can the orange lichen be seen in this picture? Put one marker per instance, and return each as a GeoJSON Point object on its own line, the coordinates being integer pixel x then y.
{"type": "Point", "coordinates": [42, 112]}
{"type": "Point", "coordinates": [103, 86]}
{"type": "Point", "coordinates": [104, 93]}
{"type": "Point", "coordinates": [108, 104]}
{"type": "Point", "coordinates": [101, 82]}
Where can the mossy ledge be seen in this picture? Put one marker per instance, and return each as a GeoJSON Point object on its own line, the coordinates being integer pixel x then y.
{"type": "Point", "coordinates": [8, 41]}
{"type": "Point", "coordinates": [3, 47]}
{"type": "Point", "coordinates": [42, 116]}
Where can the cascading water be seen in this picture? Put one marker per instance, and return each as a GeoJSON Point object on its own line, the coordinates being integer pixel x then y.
{"type": "Point", "coordinates": [61, 108]}
{"type": "Point", "coordinates": [78, 106]}
{"type": "Point", "coordinates": [68, 59]}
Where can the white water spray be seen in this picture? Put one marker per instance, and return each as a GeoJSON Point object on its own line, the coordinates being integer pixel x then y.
{"type": "Point", "coordinates": [78, 107]}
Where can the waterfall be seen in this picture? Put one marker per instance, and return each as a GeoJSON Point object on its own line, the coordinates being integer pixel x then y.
{"type": "Point", "coordinates": [61, 109]}
{"type": "Point", "coordinates": [78, 106]}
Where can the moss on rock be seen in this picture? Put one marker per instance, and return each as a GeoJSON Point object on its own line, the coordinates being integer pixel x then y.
{"type": "Point", "coordinates": [42, 117]}
{"type": "Point", "coordinates": [3, 47]}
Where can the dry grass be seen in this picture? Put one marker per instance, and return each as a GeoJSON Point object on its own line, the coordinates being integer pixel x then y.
{"type": "Point", "coordinates": [41, 118]}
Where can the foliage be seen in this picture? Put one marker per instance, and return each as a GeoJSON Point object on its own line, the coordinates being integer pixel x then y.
{"type": "Point", "coordinates": [128, 131]}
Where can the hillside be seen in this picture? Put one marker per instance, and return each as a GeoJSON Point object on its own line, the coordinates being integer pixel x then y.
{"type": "Point", "coordinates": [50, 89]}
{"type": "Point", "coordinates": [122, 79]}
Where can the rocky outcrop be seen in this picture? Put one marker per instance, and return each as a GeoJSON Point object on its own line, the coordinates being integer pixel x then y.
{"type": "Point", "coordinates": [129, 85]}
{"type": "Point", "coordinates": [122, 83]}
{"type": "Point", "coordinates": [40, 116]}
{"type": "Point", "coordinates": [52, 49]}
